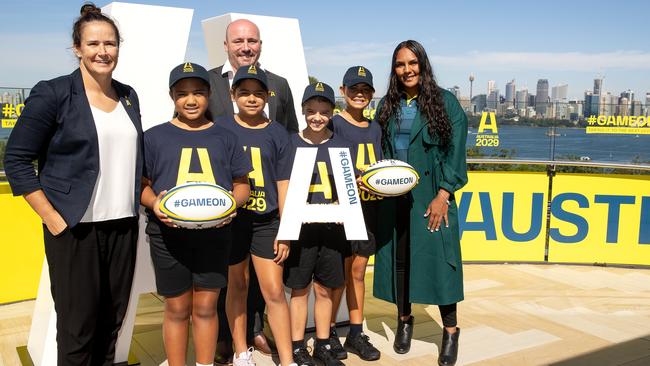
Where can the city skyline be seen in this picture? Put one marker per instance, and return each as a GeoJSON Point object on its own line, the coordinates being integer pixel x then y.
{"type": "Point", "coordinates": [550, 42]}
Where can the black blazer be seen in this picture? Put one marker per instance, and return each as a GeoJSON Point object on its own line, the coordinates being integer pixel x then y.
{"type": "Point", "coordinates": [57, 128]}
{"type": "Point", "coordinates": [280, 98]}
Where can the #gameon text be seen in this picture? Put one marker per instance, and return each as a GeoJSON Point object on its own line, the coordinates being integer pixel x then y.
{"type": "Point", "coordinates": [619, 121]}
{"type": "Point", "coordinates": [200, 202]}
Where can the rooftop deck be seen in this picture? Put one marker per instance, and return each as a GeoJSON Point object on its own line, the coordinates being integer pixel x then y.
{"type": "Point", "coordinates": [512, 315]}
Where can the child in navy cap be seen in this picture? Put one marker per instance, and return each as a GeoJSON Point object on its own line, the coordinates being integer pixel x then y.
{"type": "Point", "coordinates": [318, 255]}
{"type": "Point", "coordinates": [191, 266]}
{"type": "Point", "coordinates": [357, 90]}
{"type": "Point", "coordinates": [266, 144]}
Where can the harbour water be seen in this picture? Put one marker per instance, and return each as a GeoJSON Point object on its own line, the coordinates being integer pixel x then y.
{"type": "Point", "coordinates": [570, 143]}
{"type": "Point", "coordinates": [524, 142]}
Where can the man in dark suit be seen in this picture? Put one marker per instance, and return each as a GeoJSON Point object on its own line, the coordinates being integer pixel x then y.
{"type": "Point", "coordinates": [244, 46]}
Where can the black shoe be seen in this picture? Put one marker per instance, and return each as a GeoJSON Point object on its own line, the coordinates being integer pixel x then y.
{"type": "Point", "coordinates": [449, 349]}
{"type": "Point", "coordinates": [326, 356]}
{"type": "Point", "coordinates": [224, 353]}
{"type": "Point", "coordinates": [403, 335]}
{"type": "Point", "coordinates": [302, 357]}
{"type": "Point", "coordinates": [337, 347]}
{"type": "Point", "coordinates": [361, 346]}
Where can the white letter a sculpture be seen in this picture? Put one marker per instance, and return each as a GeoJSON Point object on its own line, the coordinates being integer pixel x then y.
{"type": "Point", "coordinates": [348, 210]}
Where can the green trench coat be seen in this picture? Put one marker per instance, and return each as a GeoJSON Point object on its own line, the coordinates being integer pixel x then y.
{"type": "Point", "coordinates": [436, 274]}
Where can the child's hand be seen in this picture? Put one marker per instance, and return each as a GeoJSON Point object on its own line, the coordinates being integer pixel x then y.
{"type": "Point", "coordinates": [361, 185]}
{"type": "Point", "coordinates": [227, 221]}
{"type": "Point", "coordinates": [281, 250]}
{"type": "Point", "coordinates": [161, 216]}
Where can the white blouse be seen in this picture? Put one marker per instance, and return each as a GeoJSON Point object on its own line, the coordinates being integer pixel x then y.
{"type": "Point", "coordinates": [113, 193]}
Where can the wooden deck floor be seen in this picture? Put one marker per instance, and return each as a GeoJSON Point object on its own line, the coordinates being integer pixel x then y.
{"type": "Point", "coordinates": [512, 315]}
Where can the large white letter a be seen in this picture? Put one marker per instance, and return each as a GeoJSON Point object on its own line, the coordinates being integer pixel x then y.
{"type": "Point", "coordinates": [347, 211]}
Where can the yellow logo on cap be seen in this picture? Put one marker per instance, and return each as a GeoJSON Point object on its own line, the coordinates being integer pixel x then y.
{"type": "Point", "coordinates": [252, 70]}
{"type": "Point", "coordinates": [361, 72]}
{"type": "Point", "coordinates": [271, 93]}
{"type": "Point", "coordinates": [319, 87]}
{"type": "Point", "coordinates": [188, 67]}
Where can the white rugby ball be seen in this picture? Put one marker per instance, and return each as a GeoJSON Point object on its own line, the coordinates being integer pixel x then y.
{"type": "Point", "coordinates": [197, 205]}
{"type": "Point", "coordinates": [390, 178]}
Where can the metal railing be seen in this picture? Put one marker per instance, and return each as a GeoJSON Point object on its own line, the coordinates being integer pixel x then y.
{"type": "Point", "coordinates": [585, 164]}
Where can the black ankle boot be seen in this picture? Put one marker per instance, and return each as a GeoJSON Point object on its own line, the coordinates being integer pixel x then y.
{"type": "Point", "coordinates": [403, 335]}
{"type": "Point", "coordinates": [449, 349]}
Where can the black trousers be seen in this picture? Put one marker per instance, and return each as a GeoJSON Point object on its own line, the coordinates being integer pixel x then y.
{"type": "Point", "coordinates": [403, 266]}
{"type": "Point", "coordinates": [255, 306]}
{"type": "Point", "coordinates": [91, 269]}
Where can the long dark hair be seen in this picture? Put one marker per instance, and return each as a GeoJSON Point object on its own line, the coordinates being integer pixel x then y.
{"type": "Point", "coordinates": [430, 101]}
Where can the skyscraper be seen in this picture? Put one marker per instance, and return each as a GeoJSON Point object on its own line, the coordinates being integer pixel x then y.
{"type": "Point", "coordinates": [510, 93]}
{"type": "Point", "coordinates": [598, 86]}
{"type": "Point", "coordinates": [531, 101]}
{"type": "Point", "coordinates": [592, 104]}
{"type": "Point", "coordinates": [521, 99]}
{"type": "Point", "coordinates": [541, 98]}
{"type": "Point", "coordinates": [629, 94]}
{"type": "Point", "coordinates": [559, 101]}
{"type": "Point", "coordinates": [559, 93]}
{"type": "Point", "coordinates": [491, 86]}
{"type": "Point", "coordinates": [493, 99]}
{"type": "Point", "coordinates": [637, 108]}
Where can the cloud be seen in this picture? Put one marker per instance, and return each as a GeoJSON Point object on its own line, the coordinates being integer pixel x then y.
{"type": "Point", "coordinates": [555, 61]}
{"type": "Point", "coordinates": [349, 53]}
{"type": "Point", "coordinates": [365, 52]}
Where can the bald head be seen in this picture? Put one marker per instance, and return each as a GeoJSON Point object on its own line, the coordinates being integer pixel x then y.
{"type": "Point", "coordinates": [242, 44]}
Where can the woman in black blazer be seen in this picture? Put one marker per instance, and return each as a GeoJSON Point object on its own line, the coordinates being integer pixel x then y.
{"type": "Point", "coordinates": [85, 131]}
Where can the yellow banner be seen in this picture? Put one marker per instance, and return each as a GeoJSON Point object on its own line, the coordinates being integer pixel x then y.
{"type": "Point", "coordinates": [594, 218]}
{"type": "Point", "coordinates": [600, 219]}
{"type": "Point", "coordinates": [503, 216]}
{"type": "Point", "coordinates": [21, 253]}
{"type": "Point", "coordinates": [8, 123]}
{"type": "Point", "coordinates": [619, 130]}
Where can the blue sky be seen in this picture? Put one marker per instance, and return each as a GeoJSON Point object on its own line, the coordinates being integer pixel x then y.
{"type": "Point", "coordinates": [563, 41]}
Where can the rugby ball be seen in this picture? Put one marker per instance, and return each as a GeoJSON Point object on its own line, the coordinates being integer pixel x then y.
{"type": "Point", "coordinates": [389, 178]}
{"type": "Point", "coordinates": [197, 205]}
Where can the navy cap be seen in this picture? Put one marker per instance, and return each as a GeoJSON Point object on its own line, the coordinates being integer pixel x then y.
{"type": "Point", "coordinates": [356, 75]}
{"type": "Point", "coordinates": [318, 90]}
{"type": "Point", "coordinates": [188, 70]}
{"type": "Point", "coordinates": [251, 72]}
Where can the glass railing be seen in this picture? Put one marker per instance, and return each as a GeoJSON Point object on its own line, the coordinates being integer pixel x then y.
{"type": "Point", "coordinates": [595, 137]}
{"type": "Point", "coordinates": [527, 137]}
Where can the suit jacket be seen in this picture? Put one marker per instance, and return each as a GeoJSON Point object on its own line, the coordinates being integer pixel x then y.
{"type": "Point", "coordinates": [280, 98]}
{"type": "Point", "coordinates": [57, 128]}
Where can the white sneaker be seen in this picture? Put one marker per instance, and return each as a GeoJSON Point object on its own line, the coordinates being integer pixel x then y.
{"type": "Point", "coordinates": [244, 358]}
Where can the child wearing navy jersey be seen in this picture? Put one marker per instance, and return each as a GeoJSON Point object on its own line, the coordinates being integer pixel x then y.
{"type": "Point", "coordinates": [190, 265]}
{"type": "Point", "coordinates": [318, 255]}
{"type": "Point", "coordinates": [255, 228]}
{"type": "Point", "coordinates": [357, 89]}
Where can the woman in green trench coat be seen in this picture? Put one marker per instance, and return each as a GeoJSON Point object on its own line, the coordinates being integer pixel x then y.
{"type": "Point", "coordinates": [418, 247]}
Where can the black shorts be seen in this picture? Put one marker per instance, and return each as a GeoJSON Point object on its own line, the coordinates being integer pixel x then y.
{"type": "Point", "coordinates": [319, 254]}
{"type": "Point", "coordinates": [184, 258]}
{"type": "Point", "coordinates": [366, 248]}
{"type": "Point", "coordinates": [254, 234]}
